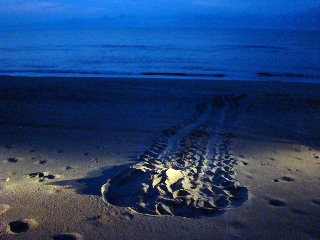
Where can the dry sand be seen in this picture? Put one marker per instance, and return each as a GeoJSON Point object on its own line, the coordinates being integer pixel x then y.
{"type": "Point", "coordinates": [89, 158]}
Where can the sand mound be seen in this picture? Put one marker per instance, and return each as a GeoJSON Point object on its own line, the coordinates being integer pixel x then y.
{"type": "Point", "coordinates": [4, 208]}
{"type": "Point", "coordinates": [188, 171]}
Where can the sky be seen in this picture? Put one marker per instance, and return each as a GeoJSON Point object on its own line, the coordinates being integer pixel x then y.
{"type": "Point", "coordinates": [31, 11]}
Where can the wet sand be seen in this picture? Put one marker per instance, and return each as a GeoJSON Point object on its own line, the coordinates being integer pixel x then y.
{"type": "Point", "coordinates": [93, 158]}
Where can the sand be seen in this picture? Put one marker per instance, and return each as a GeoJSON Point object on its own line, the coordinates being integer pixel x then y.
{"type": "Point", "coordinates": [93, 158]}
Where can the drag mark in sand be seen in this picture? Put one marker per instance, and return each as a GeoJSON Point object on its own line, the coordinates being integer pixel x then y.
{"type": "Point", "coordinates": [188, 171]}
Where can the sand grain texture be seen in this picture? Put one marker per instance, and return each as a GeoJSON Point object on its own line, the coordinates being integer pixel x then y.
{"type": "Point", "coordinates": [4, 208]}
{"type": "Point", "coordinates": [185, 159]}
{"type": "Point", "coordinates": [188, 171]}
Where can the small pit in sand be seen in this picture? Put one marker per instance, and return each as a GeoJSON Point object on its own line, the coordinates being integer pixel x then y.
{"type": "Point", "coordinates": [21, 226]}
{"type": "Point", "coordinates": [68, 236]}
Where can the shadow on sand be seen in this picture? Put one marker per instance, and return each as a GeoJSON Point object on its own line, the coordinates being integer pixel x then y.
{"type": "Point", "coordinates": [92, 184]}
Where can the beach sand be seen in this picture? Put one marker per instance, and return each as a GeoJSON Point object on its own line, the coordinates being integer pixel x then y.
{"type": "Point", "coordinates": [94, 158]}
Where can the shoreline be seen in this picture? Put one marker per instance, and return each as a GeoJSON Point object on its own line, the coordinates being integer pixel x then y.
{"type": "Point", "coordinates": [169, 78]}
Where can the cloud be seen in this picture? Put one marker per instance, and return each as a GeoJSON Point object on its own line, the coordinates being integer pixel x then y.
{"type": "Point", "coordinates": [258, 6]}
{"type": "Point", "coordinates": [28, 6]}
{"type": "Point", "coordinates": [48, 9]}
{"type": "Point", "coordinates": [73, 8]}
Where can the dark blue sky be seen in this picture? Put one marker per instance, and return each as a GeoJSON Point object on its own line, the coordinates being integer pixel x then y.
{"type": "Point", "coordinates": [28, 11]}
{"type": "Point", "coordinates": [151, 7]}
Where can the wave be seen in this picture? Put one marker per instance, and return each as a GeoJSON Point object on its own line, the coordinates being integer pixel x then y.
{"type": "Point", "coordinates": [51, 71]}
{"type": "Point", "coordinates": [288, 75]}
{"type": "Point", "coordinates": [36, 49]}
{"type": "Point", "coordinates": [180, 74]}
{"type": "Point", "coordinates": [166, 47]}
{"type": "Point", "coordinates": [36, 66]}
{"type": "Point", "coordinates": [109, 73]}
{"type": "Point", "coordinates": [133, 46]}
{"type": "Point", "coordinates": [254, 47]}
{"type": "Point", "coordinates": [76, 72]}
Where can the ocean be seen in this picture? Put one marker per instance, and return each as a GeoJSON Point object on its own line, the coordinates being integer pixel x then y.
{"type": "Point", "coordinates": [217, 54]}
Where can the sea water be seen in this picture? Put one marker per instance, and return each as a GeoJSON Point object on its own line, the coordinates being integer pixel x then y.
{"type": "Point", "coordinates": [230, 54]}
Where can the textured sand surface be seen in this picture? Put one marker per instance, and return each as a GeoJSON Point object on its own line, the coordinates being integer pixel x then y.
{"type": "Point", "coordinates": [173, 159]}
{"type": "Point", "coordinates": [188, 171]}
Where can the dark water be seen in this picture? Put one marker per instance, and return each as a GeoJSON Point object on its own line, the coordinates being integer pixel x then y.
{"type": "Point", "coordinates": [282, 55]}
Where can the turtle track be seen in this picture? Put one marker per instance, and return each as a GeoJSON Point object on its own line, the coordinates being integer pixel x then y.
{"type": "Point", "coordinates": [189, 169]}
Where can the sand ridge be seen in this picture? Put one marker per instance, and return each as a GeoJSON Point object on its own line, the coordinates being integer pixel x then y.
{"type": "Point", "coordinates": [187, 171]}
